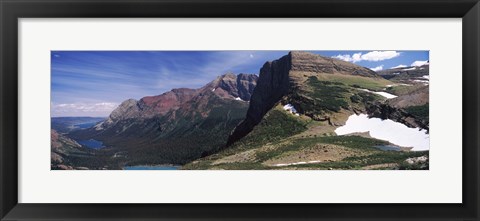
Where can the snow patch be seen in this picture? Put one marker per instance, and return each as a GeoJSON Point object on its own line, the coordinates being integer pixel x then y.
{"type": "Point", "coordinates": [297, 163]}
{"type": "Point", "coordinates": [99, 126]}
{"type": "Point", "coordinates": [383, 94]}
{"type": "Point", "coordinates": [238, 99]}
{"type": "Point", "coordinates": [389, 130]}
{"type": "Point", "coordinates": [291, 109]}
{"type": "Point", "coordinates": [213, 90]}
{"type": "Point", "coordinates": [425, 82]}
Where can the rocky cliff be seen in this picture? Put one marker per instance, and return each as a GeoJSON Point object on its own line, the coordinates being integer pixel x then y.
{"type": "Point", "coordinates": [272, 84]}
{"type": "Point", "coordinates": [278, 78]}
{"type": "Point", "coordinates": [417, 97]}
{"type": "Point", "coordinates": [61, 147]}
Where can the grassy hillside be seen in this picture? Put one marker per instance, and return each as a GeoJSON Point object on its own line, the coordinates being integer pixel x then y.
{"type": "Point", "coordinates": [374, 84]}
{"type": "Point", "coordinates": [283, 140]}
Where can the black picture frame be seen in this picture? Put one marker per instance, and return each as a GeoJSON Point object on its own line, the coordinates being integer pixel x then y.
{"type": "Point", "coordinates": [12, 10]}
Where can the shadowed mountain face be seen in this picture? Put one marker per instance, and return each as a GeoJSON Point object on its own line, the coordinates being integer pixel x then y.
{"type": "Point", "coordinates": [177, 126]}
{"type": "Point", "coordinates": [284, 76]}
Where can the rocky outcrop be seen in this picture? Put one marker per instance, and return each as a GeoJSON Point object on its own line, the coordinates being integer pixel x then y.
{"type": "Point", "coordinates": [233, 86]}
{"type": "Point", "coordinates": [62, 146]}
{"type": "Point", "coordinates": [60, 141]}
{"type": "Point", "coordinates": [385, 111]}
{"type": "Point", "coordinates": [127, 109]}
{"type": "Point", "coordinates": [246, 83]}
{"type": "Point", "coordinates": [415, 98]}
{"type": "Point", "coordinates": [397, 108]}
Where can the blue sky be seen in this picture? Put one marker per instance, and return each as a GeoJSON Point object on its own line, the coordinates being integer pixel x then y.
{"type": "Point", "coordinates": [93, 83]}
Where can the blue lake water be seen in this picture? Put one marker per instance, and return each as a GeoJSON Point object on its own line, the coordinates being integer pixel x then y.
{"type": "Point", "coordinates": [94, 144]}
{"type": "Point", "coordinates": [160, 167]}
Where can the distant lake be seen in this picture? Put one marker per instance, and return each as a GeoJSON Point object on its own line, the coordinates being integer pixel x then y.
{"type": "Point", "coordinates": [94, 144]}
{"type": "Point", "coordinates": [159, 167]}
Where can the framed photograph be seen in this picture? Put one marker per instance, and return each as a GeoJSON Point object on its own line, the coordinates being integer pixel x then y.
{"type": "Point", "coordinates": [228, 110]}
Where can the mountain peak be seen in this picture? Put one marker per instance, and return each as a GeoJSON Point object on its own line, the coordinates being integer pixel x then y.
{"type": "Point", "coordinates": [126, 109]}
{"type": "Point", "coordinates": [227, 75]}
{"type": "Point", "coordinates": [231, 85]}
{"type": "Point", "coordinates": [128, 102]}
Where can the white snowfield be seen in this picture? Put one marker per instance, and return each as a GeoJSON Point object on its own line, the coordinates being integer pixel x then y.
{"type": "Point", "coordinates": [395, 133]}
{"type": "Point", "coordinates": [297, 163]}
{"type": "Point", "coordinates": [425, 82]}
{"type": "Point", "coordinates": [383, 94]}
{"type": "Point", "coordinates": [392, 85]}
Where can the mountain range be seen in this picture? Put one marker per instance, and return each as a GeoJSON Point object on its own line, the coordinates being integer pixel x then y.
{"type": "Point", "coordinates": [284, 118]}
{"type": "Point", "coordinates": [178, 126]}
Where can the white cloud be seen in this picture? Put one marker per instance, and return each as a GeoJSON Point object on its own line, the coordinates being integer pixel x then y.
{"type": "Point", "coordinates": [420, 63]}
{"type": "Point", "coordinates": [399, 66]}
{"type": "Point", "coordinates": [251, 55]}
{"type": "Point", "coordinates": [357, 57]}
{"type": "Point", "coordinates": [83, 109]}
{"type": "Point", "coordinates": [380, 55]}
{"type": "Point", "coordinates": [370, 56]}
{"type": "Point", "coordinates": [350, 58]}
{"type": "Point", "coordinates": [378, 68]}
